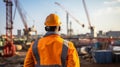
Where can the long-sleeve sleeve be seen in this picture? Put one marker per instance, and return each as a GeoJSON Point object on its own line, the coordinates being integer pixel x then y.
{"type": "Point", "coordinates": [29, 61]}
{"type": "Point", "coordinates": [73, 59]}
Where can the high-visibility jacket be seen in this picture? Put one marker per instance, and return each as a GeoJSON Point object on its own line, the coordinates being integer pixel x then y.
{"type": "Point", "coordinates": [52, 51]}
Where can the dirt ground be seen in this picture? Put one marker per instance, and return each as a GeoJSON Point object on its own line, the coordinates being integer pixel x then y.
{"type": "Point", "coordinates": [101, 65]}
{"type": "Point", "coordinates": [17, 61]}
{"type": "Point", "coordinates": [85, 63]}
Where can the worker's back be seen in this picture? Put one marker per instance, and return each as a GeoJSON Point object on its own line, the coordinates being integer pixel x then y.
{"type": "Point", "coordinates": [50, 48]}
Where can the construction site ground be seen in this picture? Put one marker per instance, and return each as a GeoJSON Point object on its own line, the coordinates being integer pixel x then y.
{"type": "Point", "coordinates": [85, 63]}
{"type": "Point", "coordinates": [18, 61]}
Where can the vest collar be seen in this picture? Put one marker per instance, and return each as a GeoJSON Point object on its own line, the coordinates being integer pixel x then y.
{"type": "Point", "coordinates": [50, 33]}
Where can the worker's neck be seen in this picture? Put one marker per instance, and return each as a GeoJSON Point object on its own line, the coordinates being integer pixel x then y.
{"type": "Point", "coordinates": [51, 32]}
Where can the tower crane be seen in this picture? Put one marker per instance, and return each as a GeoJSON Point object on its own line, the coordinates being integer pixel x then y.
{"type": "Point", "coordinates": [88, 18]}
{"type": "Point", "coordinates": [69, 14]}
{"type": "Point", "coordinates": [9, 48]}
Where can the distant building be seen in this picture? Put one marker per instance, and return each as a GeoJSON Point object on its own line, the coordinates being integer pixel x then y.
{"type": "Point", "coordinates": [115, 34]}
{"type": "Point", "coordinates": [18, 33]}
{"type": "Point", "coordinates": [70, 32]}
{"type": "Point", "coordinates": [82, 35]}
{"type": "Point", "coordinates": [101, 34]}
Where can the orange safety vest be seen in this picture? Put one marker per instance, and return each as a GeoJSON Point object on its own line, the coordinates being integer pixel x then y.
{"type": "Point", "coordinates": [63, 56]}
{"type": "Point", "coordinates": [52, 51]}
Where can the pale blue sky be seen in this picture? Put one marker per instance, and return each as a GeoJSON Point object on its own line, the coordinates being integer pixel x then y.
{"type": "Point", "coordinates": [104, 14]}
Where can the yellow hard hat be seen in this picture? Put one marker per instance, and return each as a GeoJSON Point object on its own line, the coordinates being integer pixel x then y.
{"type": "Point", "coordinates": [52, 20]}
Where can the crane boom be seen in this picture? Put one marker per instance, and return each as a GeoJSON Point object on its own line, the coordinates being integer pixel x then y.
{"type": "Point", "coordinates": [69, 14]}
{"type": "Point", "coordinates": [22, 14]}
{"type": "Point", "coordinates": [88, 18]}
{"type": "Point", "coordinates": [86, 11]}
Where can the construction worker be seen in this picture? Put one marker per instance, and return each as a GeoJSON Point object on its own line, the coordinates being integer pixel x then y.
{"type": "Point", "coordinates": [52, 50]}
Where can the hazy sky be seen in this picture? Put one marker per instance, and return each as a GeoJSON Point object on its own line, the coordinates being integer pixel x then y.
{"type": "Point", "coordinates": [104, 14]}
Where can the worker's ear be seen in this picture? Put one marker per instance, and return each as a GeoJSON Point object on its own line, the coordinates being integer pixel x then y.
{"type": "Point", "coordinates": [59, 28]}
{"type": "Point", "coordinates": [47, 28]}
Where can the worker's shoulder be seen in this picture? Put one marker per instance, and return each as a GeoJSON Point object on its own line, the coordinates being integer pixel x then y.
{"type": "Point", "coordinates": [67, 43]}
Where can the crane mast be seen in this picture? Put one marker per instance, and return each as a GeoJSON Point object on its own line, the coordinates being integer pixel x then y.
{"type": "Point", "coordinates": [9, 48]}
{"type": "Point", "coordinates": [9, 22]}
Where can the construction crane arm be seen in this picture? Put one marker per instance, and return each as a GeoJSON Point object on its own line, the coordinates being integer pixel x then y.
{"type": "Point", "coordinates": [88, 18]}
{"type": "Point", "coordinates": [22, 14]}
{"type": "Point", "coordinates": [87, 15]}
{"type": "Point", "coordinates": [86, 11]}
{"type": "Point", "coordinates": [69, 14]}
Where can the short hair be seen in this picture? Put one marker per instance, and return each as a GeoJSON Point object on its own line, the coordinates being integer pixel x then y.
{"type": "Point", "coordinates": [51, 28]}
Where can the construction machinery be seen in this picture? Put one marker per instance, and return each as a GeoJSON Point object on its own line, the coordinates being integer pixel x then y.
{"type": "Point", "coordinates": [23, 16]}
{"type": "Point", "coordinates": [68, 13]}
{"type": "Point", "coordinates": [92, 28]}
{"type": "Point", "coordinates": [9, 48]}
{"type": "Point", "coordinates": [27, 30]}
{"type": "Point", "coordinates": [92, 34]}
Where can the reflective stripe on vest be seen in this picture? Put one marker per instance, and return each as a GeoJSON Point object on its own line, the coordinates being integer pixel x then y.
{"type": "Point", "coordinates": [35, 51]}
{"type": "Point", "coordinates": [63, 57]}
